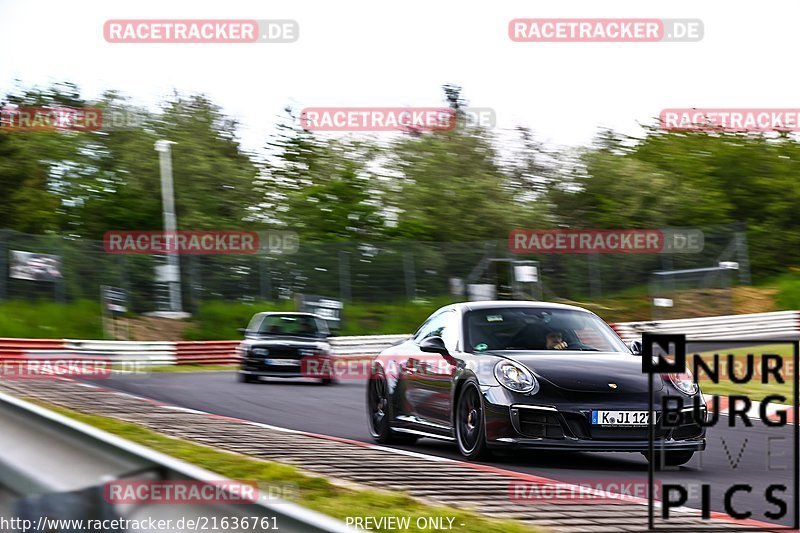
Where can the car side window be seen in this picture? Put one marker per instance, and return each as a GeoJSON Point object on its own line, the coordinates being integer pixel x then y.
{"type": "Point", "coordinates": [433, 327]}
{"type": "Point", "coordinates": [450, 335]}
{"type": "Point", "coordinates": [420, 334]}
{"type": "Point", "coordinates": [255, 323]}
{"type": "Point", "coordinates": [441, 325]}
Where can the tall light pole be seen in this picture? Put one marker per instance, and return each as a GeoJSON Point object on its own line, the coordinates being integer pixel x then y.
{"type": "Point", "coordinates": [172, 273]}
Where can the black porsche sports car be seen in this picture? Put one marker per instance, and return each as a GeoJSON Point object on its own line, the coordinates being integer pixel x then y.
{"type": "Point", "coordinates": [286, 345]}
{"type": "Point", "coordinates": [503, 374]}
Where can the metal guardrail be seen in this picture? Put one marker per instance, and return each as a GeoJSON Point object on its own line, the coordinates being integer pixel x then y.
{"type": "Point", "coordinates": [206, 352]}
{"type": "Point", "coordinates": [56, 465]}
{"type": "Point", "coordinates": [364, 344]}
{"type": "Point", "coordinates": [171, 353]}
{"type": "Point", "coordinates": [779, 324]}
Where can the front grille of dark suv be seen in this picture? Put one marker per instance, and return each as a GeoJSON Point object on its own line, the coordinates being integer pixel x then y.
{"type": "Point", "coordinates": [275, 352]}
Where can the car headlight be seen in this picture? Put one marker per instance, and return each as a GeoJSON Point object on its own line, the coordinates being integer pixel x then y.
{"type": "Point", "coordinates": [684, 382]}
{"type": "Point", "coordinates": [514, 377]}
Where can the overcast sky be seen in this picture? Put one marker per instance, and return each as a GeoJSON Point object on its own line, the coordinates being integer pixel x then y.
{"type": "Point", "coordinates": [380, 53]}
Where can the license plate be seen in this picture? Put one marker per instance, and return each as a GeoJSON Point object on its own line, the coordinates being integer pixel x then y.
{"type": "Point", "coordinates": [620, 418]}
{"type": "Point", "coordinates": [282, 362]}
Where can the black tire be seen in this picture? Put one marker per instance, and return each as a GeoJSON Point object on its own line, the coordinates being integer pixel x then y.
{"type": "Point", "coordinates": [380, 413]}
{"type": "Point", "coordinates": [328, 381]}
{"type": "Point", "coordinates": [676, 458]}
{"type": "Point", "coordinates": [247, 378]}
{"type": "Point", "coordinates": [470, 422]}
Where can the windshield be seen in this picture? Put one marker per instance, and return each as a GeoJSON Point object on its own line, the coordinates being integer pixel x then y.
{"type": "Point", "coordinates": [532, 328]}
{"type": "Point", "coordinates": [289, 324]}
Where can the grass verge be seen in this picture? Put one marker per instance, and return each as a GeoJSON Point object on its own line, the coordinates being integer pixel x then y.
{"type": "Point", "coordinates": [313, 492]}
{"type": "Point", "coordinates": [49, 320]}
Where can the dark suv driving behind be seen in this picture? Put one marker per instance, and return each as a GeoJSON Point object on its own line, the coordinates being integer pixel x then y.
{"type": "Point", "coordinates": [283, 345]}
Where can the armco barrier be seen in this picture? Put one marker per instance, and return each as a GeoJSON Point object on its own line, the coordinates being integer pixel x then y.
{"type": "Point", "coordinates": [140, 353]}
{"type": "Point", "coordinates": [206, 352]}
{"type": "Point", "coordinates": [171, 353]}
{"type": "Point", "coordinates": [776, 325]}
{"type": "Point", "coordinates": [224, 352]}
{"type": "Point", "coordinates": [58, 467]}
{"type": "Point", "coordinates": [16, 348]}
{"type": "Point", "coordinates": [359, 347]}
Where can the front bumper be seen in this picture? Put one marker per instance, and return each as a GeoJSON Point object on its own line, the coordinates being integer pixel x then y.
{"type": "Point", "coordinates": [567, 426]}
{"type": "Point", "coordinates": [270, 374]}
{"type": "Point", "coordinates": [255, 367]}
{"type": "Point", "coordinates": [579, 445]}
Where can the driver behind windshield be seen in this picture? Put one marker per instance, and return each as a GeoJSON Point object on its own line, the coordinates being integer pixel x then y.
{"type": "Point", "coordinates": [307, 328]}
{"type": "Point", "coordinates": [555, 341]}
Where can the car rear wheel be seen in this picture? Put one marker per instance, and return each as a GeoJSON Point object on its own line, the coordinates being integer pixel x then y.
{"type": "Point", "coordinates": [379, 411]}
{"type": "Point", "coordinates": [677, 458]}
{"type": "Point", "coordinates": [470, 423]}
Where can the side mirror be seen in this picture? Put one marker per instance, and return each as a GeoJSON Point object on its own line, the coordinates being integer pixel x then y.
{"type": "Point", "coordinates": [243, 331]}
{"type": "Point", "coordinates": [636, 347]}
{"type": "Point", "coordinates": [433, 345]}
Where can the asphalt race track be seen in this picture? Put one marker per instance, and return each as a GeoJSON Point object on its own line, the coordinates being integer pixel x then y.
{"type": "Point", "coordinates": [758, 455]}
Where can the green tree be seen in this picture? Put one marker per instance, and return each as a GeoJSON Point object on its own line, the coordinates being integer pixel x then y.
{"type": "Point", "coordinates": [35, 165]}
{"type": "Point", "coordinates": [325, 189]}
{"type": "Point", "coordinates": [449, 185]}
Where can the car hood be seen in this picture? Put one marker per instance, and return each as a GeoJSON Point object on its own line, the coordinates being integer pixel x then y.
{"type": "Point", "coordinates": [588, 371]}
{"type": "Point", "coordinates": [288, 342]}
